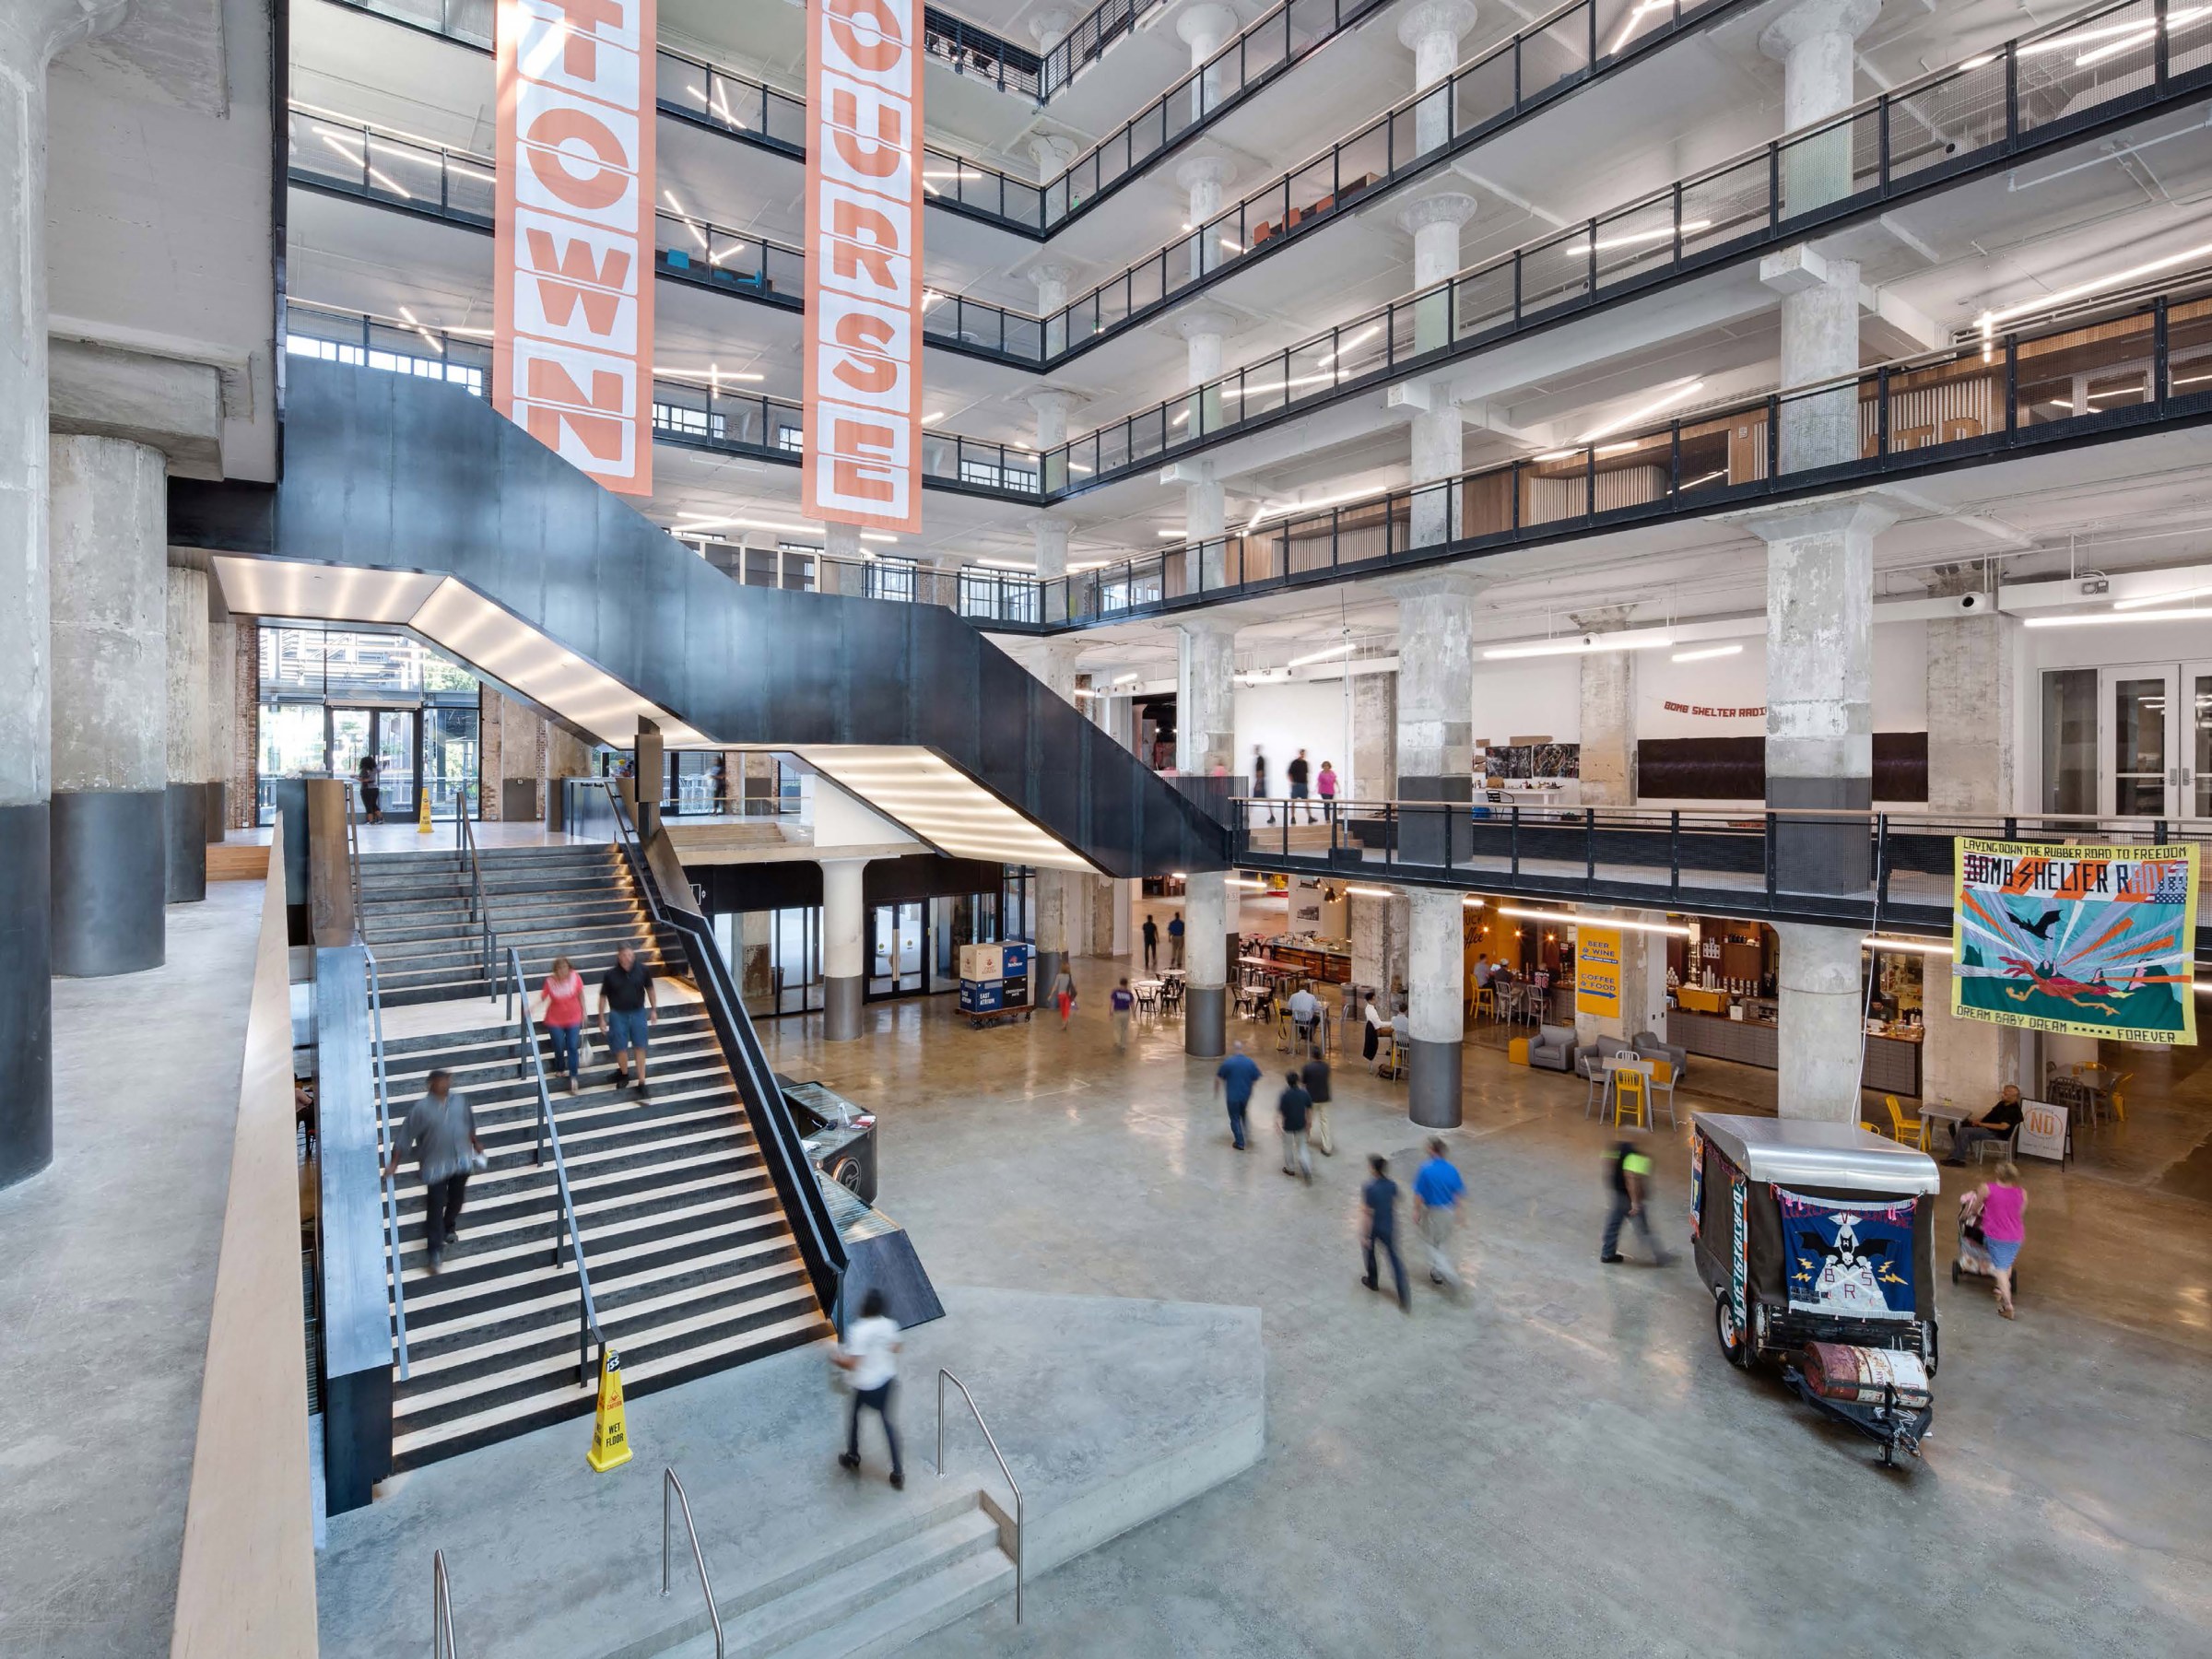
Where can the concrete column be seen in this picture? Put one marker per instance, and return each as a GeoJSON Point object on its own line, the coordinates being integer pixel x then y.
{"type": "Point", "coordinates": [1432, 32]}
{"type": "Point", "coordinates": [1052, 280]}
{"type": "Point", "coordinates": [108, 541]}
{"type": "Point", "coordinates": [1052, 153]}
{"type": "Point", "coordinates": [1374, 741]}
{"type": "Point", "coordinates": [1204, 177]}
{"type": "Point", "coordinates": [1608, 700]}
{"type": "Point", "coordinates": [1205, 737]}
{"type": "Point", "coordinates": [1436, 711]}
{"type": "Point", "coordinates": [842, 555]}
{"type": "Point", "coordinates": [222, 719]}
{"type": "Point", "coordinates": [190, 765]}
{"type": "Point", "coordinates": [1205, 28]}
{"type": "Point", "coordinates": [1434, 222]}
{"type": "Point", "coordinates": [31, 32]}
{"type": "Point", "coordinates": [844, 959]}
{"type": "Point", "coordinates": [1438, 455]}
{"type": "Point", "coordinates": [1816, 41]}
{"type": "Point", "coordinates": [1436, 1015]}
{"type": "Point", "coordinates": [1378, 941]}
{"type": "Point", "coordinates": [1821, 1005]}
{"type": "Point", "coordinates": [1053, 409]}
{"type": "Point", "coordinates": [242, 789]}
{"type": "Point", "coordinates": [1819, 687]}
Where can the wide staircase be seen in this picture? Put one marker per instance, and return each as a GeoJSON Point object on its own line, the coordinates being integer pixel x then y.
{"type": "Point", "coordinates": [692, 1264]}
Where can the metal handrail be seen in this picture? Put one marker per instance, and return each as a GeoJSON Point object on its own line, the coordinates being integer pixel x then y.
{"type": "Point", "coordinates": [797, 1182]}
{"type": "Point", "coordinates": [385, 1150]}
{"type": "Point", "coordinates": [673, 1487]}
{"type": "Point", "coordinates": [565, 1235]}
{"type": "Point", "coordinates": [944, 1377]}
{"type": "Point", "coordinates": [488, 944]}
{"type": "Point", "coordinates": [441, 1608]}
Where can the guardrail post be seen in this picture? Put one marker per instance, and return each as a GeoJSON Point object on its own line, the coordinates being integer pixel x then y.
{"type": "Point", "coordinates": [1674, 853]}
{"type": "Point", "coordinates": [1589, 848]}
{"type": "Point", "coordinates": [1881, 860]}
{"type": "Point", "coordinates": [1513, 840]}
{"type": "Point", "coordinates": [1768, 855]}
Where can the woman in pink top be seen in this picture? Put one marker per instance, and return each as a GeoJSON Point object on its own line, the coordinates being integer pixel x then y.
{"type": "Point", "coordinates": [561, 1011]}
{"type": "Point", "coordinates": [2004, 1215]}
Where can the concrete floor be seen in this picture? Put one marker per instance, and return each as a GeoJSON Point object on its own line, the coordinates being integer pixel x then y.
{"type": "Point", "coordinates": [1561, 1462]}
{"type": "Point", "coordinates": [110, 1273]}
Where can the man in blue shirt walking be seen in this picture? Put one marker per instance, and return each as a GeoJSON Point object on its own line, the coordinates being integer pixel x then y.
{"type": "Point", "coordinates": [1436, 1193]}
{"type": "Point", "coordinates": [1238, 1076]}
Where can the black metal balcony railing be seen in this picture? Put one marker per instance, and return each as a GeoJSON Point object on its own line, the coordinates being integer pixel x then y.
{"type": "Point", "coordinates": [2136, 362]}
{"type": "Point", "coordinates": [1727, 861]}
{"type": "Point", "coordinates": [2095, 70]}
{"type": "Point", "coordinates": [716, 415]}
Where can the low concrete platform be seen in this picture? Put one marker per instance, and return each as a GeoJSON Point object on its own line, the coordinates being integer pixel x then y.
{"type": "Point", "coordinates": [1109, 1411]}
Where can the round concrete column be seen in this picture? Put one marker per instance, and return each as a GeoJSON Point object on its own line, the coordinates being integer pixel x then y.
{"type": "Point", "coordinates": [1053, 153]}
{"type": "Point", "coordinates": [1204, 178]}
{"type": "Point", "coordinates": [1435, 1013]}
{"type": "Point", "coordinates": [189, 765]}
{"type": "Point", "coordinates": [1436, 712]}
{"type": "Point", "coordinates": [1434, 224]}
{"type": "Point", "coordinates": [109, 544]}
{"type": "Point", "coordinates": [1204, 28]}
{"type": "Point", "coordinates": [1052, 280]}
{"type": "Point", "coordinates": [31, 32]}
{"type": "Point", "coordinates": [1432, 32]}
{"type": "Point", "coordinates": [1205, 964]}
{"type": "Point", "coordinates": [222, 722]}
{"type": "Point", "coordinates": [1818, 1035]}
{"type": "Point", "coordinates": [844, 961]}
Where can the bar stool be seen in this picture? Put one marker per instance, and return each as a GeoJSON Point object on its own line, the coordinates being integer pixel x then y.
{"type": "Point", "coordinates": [1485, 1003]}
{"type": "Point", "coordinates": [1628, 1081]}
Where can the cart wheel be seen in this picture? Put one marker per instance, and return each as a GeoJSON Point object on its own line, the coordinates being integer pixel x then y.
{"type": "Point", "coordinates": [1954, 1272]}
{"type": "Point", "coordinates": [1731, 1334]}
{"type": "Point", "coordinates": [1888, 1455]}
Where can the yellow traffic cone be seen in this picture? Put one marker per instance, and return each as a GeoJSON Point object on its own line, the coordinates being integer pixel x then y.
{"type": "Point", "coordinates": [610, 1435]}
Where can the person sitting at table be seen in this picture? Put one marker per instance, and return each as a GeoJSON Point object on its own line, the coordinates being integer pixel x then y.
{"type": "Point", "coordinates": [1375, 1022]}
{"type": "Point", "coordinates": [1995, 1125]}
{"type": "Point", "coordinates": [1305, 1014]}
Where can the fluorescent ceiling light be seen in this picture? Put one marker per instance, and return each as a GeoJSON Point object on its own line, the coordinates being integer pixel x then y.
{"type": "Point", "coordinates": [1003, 564]}
{"type": "Point", "coordinates": [1629, 24]}
{"type": "Point", "coordinates": [1360, 338]}
{"type": "Point", "coordinates": [1990, 319]}
{"type": "Point", "coordinates": [1681, 393]}
{"type": "Point", "coordinates": [1126, 679]}
{"type": "Point", "coordinates": [1368, 892]}
{"type": "Point", "coordinates": [1583, 646]}
{"type": "Point", "coordinates": [1171, 534]}
{"type": "Point", "coordinates": [713, 372]}
{"type": "Point", "coordinates": [2187, 614]}
{"type": "Point", "coordinates": [1636, 239]}
{"type": "Point", "coordinates": [1283, 508]}
{"type": "Point", "coordinates": [1918, 946]}
{"type": "Point", "coordinates": [932, 419]}
{"type": "Point", "coordinates": [1572, 918]}
{"type": "Point", "coordinates": [698, 521]}
{"type": "Point", "coordinates": [1322, 656]}
{"type": "Point", "coordinates": [2188, 592]}
{"type": "Point", "coordinates": [876, 535]}
{"type": "Point", "coordinates": [1709, 651]}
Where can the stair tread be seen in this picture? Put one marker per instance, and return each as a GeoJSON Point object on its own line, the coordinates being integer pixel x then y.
{"type": "Point", "coordinates": [909, 1612]}
{"type": "Point", "coordinates": [822, 1604]}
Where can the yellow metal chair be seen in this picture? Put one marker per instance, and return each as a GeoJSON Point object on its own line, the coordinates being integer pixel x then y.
{"type": "Point", "coordinates": [1485, 1003]}
{"type": "Point", "coordinates": [1903, 1128]}
{"type": "Point", "coordinates": [1627, 1082]}
{"type": "Point", "coordinates": [2116, 1099]}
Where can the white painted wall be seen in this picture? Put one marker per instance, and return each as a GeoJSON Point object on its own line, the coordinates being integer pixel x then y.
{"type": "Point", "coordinates": [1528, 697]}
{"type": "Point", "coordinates": [1315, 715]}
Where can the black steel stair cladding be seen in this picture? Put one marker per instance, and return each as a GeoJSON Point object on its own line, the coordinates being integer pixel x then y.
{"type": "Point", "coordinates": [392, 472]}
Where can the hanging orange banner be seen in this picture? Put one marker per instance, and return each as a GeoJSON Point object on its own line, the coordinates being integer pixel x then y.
{"type": "Point", "coordinates": [863, 373]}
{"type": "Point", "coordinates": [573, 295]}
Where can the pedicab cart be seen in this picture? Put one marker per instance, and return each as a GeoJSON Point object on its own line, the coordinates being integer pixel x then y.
{"type": "Point", "coordinates": [1817, 1242]}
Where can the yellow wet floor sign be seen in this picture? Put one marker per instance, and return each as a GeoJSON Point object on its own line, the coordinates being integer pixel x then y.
{"type": "Point", "coordinates": [610, 1435]}
{"type": "Point", "coordinates": [423, 817]}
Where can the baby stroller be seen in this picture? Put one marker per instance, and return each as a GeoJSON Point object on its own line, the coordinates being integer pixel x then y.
{"type": "Point", "coordinates": [1973, 1259]}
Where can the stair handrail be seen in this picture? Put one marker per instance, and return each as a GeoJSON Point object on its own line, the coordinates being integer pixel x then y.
{"type": "Point", "coordinates": [673, 1487]}
{"type": "Point", "coordinates": [442, 1609]}
{"type": "Point", "coordinates": [383, 1151]}
{"type": "Point", "coordinates": [548, 1133]}
{"type": "Point", "coordinates": [944, 1377]}
{"type": "Point", "coordinates": [488, 943]}
{"type": "Point", "coordinates": [780, 1141]}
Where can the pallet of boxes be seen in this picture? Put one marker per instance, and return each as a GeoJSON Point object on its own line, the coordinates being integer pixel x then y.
{"type": "Point", "coordinates": [995, 983]}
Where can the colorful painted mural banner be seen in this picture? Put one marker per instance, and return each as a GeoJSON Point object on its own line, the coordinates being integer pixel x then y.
{"type": "Point", "coordinates": [573, 232]}
{"type": "Point", "coordinates": [2093, 941]}
{"type": "Point", "coordinates": [1697, 1179]}
{"type": "Point", "coordinates": [1597, 970]}
{"type": "Point", "coordinates": [863, 357]}
{"type": "Point", "coordinates": [1849, 1259]}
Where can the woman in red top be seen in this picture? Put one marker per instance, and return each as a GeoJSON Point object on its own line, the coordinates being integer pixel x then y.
{"type": "Point", "coordinates": [561, 1011]}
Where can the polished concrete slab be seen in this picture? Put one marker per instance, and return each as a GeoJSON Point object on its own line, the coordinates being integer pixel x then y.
{"type": "Point", "coordinates": [1109, 1412]}
{"type": "Point", "coordinates": [107, 1274]}
{"type": "Point", "coordinates": [1558, 1461]}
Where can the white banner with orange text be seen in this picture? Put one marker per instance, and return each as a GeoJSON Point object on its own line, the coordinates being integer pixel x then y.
{"type": "Point", "coordinates": [863, 373]}
{"type": "Point", "coordinates": [572, 296]}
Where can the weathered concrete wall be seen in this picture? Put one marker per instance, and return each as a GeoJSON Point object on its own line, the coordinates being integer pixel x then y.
{"type": "Point", "coordinates": [1206, 701]}
{"type": "Point", "coordinates": [1608, 714]}
{"type": "Point", "coordinates": [1436, 676]}
{"type": "Point", "coordinates": [109, 544]}
{"type": "Point", "coordinates": [1374, 738]}
{"type": "Point", "coordinates": [186, 678]}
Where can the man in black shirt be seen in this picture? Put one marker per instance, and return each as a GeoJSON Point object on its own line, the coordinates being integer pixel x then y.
{"type": "Point", "coordinates": [372, 794]}
{"type": "Point", "coordinates": [1293, 1104]}
{"type": "Point", "coordinates": [1995, 1125]}
{"type": "Point", "coordinates": [1315, 1074]}
{"type": "Point", "coordinates": [628, 1008]}
{"type": "Point", "coordinates": [1380, 1198]}
{"type": "Point", "coordinates": [1151, 945]}
{"type": "Point", "coordinates": [1298, 774]}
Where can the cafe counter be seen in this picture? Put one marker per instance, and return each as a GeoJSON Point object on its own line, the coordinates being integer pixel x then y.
{"type": "Point", "coordinates": [1892, 1064]}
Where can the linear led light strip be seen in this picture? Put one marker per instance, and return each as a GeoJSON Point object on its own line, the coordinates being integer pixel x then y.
{"type": "Point", "coordinates": [1574, 918]}
{"type": "Point", "coordinates": [1593, 643]}
{"type": "Point", "coordinates": [2185, 614]}
{"type": "Point", "coordinates": [1371, 892]}
{"type": "Point", "coordinates": [2188, 592]}
{"type": "Point", "coordinates": [716, 104]}
{"type": "Point", "coordinates": [1988, 321]}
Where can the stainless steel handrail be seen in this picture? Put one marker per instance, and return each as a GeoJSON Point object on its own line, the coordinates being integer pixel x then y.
{"type": "Point", "coordinates": [384, 1148]}
{"type": "Point", "coordinates": [565, 1235]}
{"type": "Point", "coordinates": [441, 1608]}
{"type": "Point", "coordinates": [673, 1487]}
{"type": "Point", "coordinates": [944, 1377]}
{"type": "Point", "coordinates": [488, 938]}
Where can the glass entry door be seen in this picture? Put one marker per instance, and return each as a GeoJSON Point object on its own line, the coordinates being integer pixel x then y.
{"type": "Point", "coordinates": [2155, 740]}
{"type": "Point", "coordinates": [897, 948]}
{"type": "Point", "coordinates": [393, 737]}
